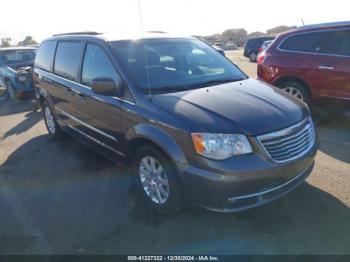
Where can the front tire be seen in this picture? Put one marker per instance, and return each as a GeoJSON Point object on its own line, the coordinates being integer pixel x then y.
{"type": "Point", "coordinates": [157, 181]}
{"type": "Point", "coordinates": [53, 128]}
{"type": "Point", "coordinates": [11, 90]}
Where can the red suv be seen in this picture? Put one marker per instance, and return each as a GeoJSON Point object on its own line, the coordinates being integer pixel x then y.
{"type": "Point", "coordinates": [311, 63]}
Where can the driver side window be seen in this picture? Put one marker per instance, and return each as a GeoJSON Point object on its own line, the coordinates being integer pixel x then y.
{"type": "Point", "coordinates": [97, 64]}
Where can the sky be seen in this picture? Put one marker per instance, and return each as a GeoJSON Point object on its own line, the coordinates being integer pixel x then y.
{"type": "Point", "coordinates": [43, 18]}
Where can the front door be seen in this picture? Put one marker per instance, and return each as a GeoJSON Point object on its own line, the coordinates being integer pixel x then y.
{"type": "Point", "coordinates": [99, 114]}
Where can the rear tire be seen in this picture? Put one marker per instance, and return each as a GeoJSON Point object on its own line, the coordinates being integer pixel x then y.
{"type": "Point", "coordinates": [253, 56]}
{"type": "Point", "coordinates": [53, 128]}
{"type": "Point", "coordinates": [158, 186]}
{"type": "Point", "coordinates": [297, 90]}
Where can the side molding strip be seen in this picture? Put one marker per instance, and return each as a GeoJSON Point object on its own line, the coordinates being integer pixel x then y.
{"type": "Point", "coordinates": [96, 141]}
{"type": "Point", "coordinates": [86, 125]}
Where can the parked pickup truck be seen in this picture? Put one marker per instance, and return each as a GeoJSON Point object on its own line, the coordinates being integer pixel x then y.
{"type": "Point", "coordinates": [16, 68]}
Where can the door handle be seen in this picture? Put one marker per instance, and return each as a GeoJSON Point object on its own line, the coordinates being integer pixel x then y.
{"type": "Point", "coordinates": [321, 67]}
{"type": "Point", "coordinates": [68, 91]}
{"type": "Point", "coordinates": [81, 96]}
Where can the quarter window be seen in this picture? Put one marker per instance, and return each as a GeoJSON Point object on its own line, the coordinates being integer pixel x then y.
{"type": "Point", "coordinates": [44, 57]}
{"type": "Point", "coordinates": [97, 64]}
{"type": "Point", "coordinates": [67, 60]}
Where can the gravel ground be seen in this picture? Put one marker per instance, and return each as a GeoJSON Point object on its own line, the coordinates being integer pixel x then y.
{"type": "Point", "coordinates": [63, 198]}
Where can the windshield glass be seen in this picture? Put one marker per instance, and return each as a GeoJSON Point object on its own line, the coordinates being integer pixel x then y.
{"type": "Point", "coordinates": [16, 56]}
{"type": "Point", "coordinates": [175, 64]}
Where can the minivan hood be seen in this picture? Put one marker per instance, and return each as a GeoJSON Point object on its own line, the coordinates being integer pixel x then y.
{"type": "Point", "coordinates": [249, 107]}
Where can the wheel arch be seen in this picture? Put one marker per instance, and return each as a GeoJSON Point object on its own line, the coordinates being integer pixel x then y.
{"type": "Point", "coordinates": [42, 95]}
{"type": "Point", "coordinates": [148, 134]}
{"type": "Point", "coordinates": [284, 79]}
{"type": "Point", "coordinates": [41, 100]}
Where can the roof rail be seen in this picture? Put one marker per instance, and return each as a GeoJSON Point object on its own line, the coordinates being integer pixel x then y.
{"type": "Point", "coordinates": [156, 32]}
{"type": "Point", "coordinates": [324, 25]}
{"type": "Point", "coordinates": [79, 33]}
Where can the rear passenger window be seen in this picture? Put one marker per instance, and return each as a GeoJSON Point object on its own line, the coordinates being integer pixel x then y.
{"type": "Point", "coordinates": [45, 54]}
{"type": "Point", "coordinates": [97, 64]}
{"type": "Point", "coordinates": [309, 42]}
{"type": "Point", "coordinates": [67, 60]}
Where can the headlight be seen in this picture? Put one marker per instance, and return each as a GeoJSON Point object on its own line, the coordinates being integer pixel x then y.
{"type": "Point", "coordinates": [220, 146]}
{"type": "Point", "coordinates": [22, 78]}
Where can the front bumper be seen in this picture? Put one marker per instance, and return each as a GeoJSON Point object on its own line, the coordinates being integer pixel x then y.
{"type": "Point", "coordinates": [253, 182]}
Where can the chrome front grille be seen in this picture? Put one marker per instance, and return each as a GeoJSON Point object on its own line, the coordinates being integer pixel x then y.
{"type": "Point", "coordinates": [290, 143]}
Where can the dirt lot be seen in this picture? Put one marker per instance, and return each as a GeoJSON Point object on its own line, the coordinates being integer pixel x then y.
{"type": "Point", "coordinates": [63, 198]}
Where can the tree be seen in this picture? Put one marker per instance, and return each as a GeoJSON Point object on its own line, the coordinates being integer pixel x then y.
{"type": "Point", "coordinates": [28, 40]}
{"type": "Point", "coordinates": [5, 42]}
{"type": "Point", "coordinates": [279, 29]}
{"type": "Point", "coordinates": [237, 36]}
{"type": "Point", "coordinates": [256, 34]}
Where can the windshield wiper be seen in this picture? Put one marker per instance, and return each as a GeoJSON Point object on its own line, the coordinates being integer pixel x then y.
{"type": "Point", "coordinates": [216, 82]}
{"type": "Point", "coordinates": [193, 86]}
{"type": "Point", "coordinates": [166, 88]}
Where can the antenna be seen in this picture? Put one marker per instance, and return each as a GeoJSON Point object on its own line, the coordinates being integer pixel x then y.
{"type": "Point", "coordinates": [302, 20]}
{"type": "Point", "coordinates": [144, 51]}
{"type": "Point", "coordinates": [140, 16]}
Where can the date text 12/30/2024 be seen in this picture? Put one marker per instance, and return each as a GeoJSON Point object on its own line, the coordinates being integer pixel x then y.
{"type": "Point", "coordinates": [173, 258]}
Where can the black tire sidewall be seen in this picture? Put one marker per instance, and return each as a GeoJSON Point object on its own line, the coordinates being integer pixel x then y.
{"type": "Point", "coordinates": [174, 202]}
{"type": "Point", "coordinates": [9, 84]}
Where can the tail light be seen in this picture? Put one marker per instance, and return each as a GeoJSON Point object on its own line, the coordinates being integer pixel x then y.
{"type": "Point", "coordinates": [260, 49]}
{"type": "Point", "coordinates": [261, 57]}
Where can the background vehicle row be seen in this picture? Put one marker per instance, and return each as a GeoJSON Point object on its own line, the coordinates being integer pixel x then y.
{"type": "Point", "coordinates": [311, 63]}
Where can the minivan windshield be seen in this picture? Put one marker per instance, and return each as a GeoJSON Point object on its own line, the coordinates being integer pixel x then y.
{"type": "Point", "coordinates": [175, 64]}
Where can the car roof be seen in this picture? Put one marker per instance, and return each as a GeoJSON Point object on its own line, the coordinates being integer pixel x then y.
{"type": "Point", "coordinates": [325, 25]}
{"type": "Point", "coordinates": [317, 27]}
{"type": "Point", "coordinates": [110, 37]}
{"type": "Point", "coordinates": [18, 48]}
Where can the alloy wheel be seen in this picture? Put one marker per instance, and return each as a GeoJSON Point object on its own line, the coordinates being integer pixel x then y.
{"type": "Point", "coordinates": [154, 180]}
{"type": "Point", "coordinates": [50, 121]}
{"type": "Point", "coordinates": [253, 57]}
{"type": "Point", "coordinates": [294, 92]}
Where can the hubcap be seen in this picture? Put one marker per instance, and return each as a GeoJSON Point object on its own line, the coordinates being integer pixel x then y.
{"type": "Point", "coordinates": [294, 92]}
{"type": "Point", "coordinates": [154, 180]}
{"type": "Point", "coordinates": [50, 120]}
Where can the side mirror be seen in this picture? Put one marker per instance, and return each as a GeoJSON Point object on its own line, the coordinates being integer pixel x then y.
{"type": "Point", "coordinates": [107, 86]}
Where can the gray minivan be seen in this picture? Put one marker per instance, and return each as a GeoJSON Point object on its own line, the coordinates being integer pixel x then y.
{"type": "Point", "coordinates": [191, 125]}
